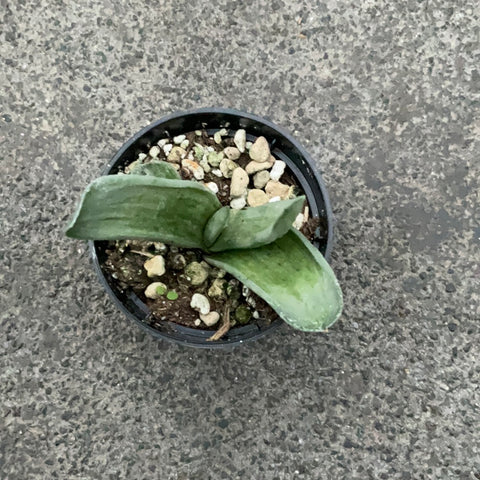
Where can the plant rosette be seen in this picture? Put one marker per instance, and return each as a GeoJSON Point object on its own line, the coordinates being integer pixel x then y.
{"type": "Point", "coordinates": [210, 230]}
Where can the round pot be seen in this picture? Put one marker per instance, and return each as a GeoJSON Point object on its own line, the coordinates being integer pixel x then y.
{"type": "Point", "coordinates": [283, 146]}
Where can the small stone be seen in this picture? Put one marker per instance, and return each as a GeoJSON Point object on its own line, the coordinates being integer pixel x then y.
{"type": "Point", "coordinates": [205, 165]}
{"type": "Point", "coordinates": [261, 178]}
{"type": "Point", "coordinates": [155, 266]}
{"type": "Point", "coordinates": [212, 186]}
{"type": "Point", "coordinates": [217, 289]}
{"type": "Point", "coordinates": [210, 319]}
{"type": "Point", "coordinates": [199, 152]}
{"type": "Point", "coordinates": [200, 303]}
{"type": "Point", "coordinates": [254, 167]}
{"type": "Point", "coordinates": [154, 151]}
{"type": "Point", "coordinates": [179, 139]}
{"type": "Point", "coordinates": [185, 143]}
{"type": "Point", "coordinates": [196, 273]}
{"type": "Point", "coordinates": [452, 326]}
{"type": "Point", "coordinates": [161, 143]}
{"type": "Point", "coordinates": [195, 168]}
{"type": "Point", "coordinates": [223, 132]}
{"type": "Point", "coordinates": [215, 158]}
{"type": "Point", "coordinates": [155, 289]}
{"type": "Point", "coordinates": [243, 314]}
{"type": "Point", "coordinates": [450, 288]}
{"type": "Point", "coordinates": [227, 167]}
{"type": "Point", "coordinates": [277, 170]}
{"type": "Point", "coordinates": [277, 189]}
{"type": "Point", "coordinates": [298, 223]}
{"type": "Point", "coordinates": [248, 145]}
{"type": "Point", "coordinates": [260, 151]}
{"type": "Point", "coordinates": [238, 203]}
{"type": "Point", "coordinates": [274, 199]}
{"type": "Point", "coordinates": [305, 214]}
{"type": "Point", "coordinates": [256, 315]}
{"type": "Point", "coordinates": [167, 148]}
{"type": "Point", "coordinates": [257, 197]}
{"type": "Point", "coordinates": [197, 322]}
{"type": "Point", "coordinates": [240, 139]}
{"type": "Point", "coordinates": [217, 138]}
{"type": "Point", "coordinates": [160, 247]}
{"type": "Point", "coordinates": [239, 183]}
{"type": "Point", "coordinates": [198, 133]}
{"type": "Point", "coordinates": [176, 155]}
{"type": "Point", "coordinates": [231, 153]}
{"type": "Point", "coordinates": [217, 172]}
{"type": "Point", "coordinates": [141, 156]}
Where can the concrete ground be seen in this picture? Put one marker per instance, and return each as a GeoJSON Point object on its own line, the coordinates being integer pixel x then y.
{"type": "Point", "coordinates": [385, 96]}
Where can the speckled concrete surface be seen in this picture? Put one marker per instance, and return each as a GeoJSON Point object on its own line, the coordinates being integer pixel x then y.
{"type": "Point", "coordinates": [385, 95]}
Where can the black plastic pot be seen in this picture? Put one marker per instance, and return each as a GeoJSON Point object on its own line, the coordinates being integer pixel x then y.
{"type": "Point", "coordinates": [283, 146]}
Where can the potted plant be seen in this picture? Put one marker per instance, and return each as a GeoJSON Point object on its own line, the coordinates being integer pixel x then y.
{"type": "Point", "coordinates": [198, 230]}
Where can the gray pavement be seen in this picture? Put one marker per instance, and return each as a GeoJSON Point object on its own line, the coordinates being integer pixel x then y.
{"type": "Point", "coordinates": [385, 96]}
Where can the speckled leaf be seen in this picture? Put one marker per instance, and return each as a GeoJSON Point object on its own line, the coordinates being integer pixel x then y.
{"type": "Point", "coordinates": [292, 276]}
{"type": "Point", "coordinates": [118, 207]}
{"type": "Point", "coordinates": [156, 168]}
{"type": "Point", "coordinates": [250, 228]}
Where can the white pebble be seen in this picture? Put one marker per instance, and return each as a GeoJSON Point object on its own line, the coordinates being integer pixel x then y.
{"type": "Point", "coordinates": [163, 142]}
{"type": "Point", "coordinates": [223, 132]}
{"type": "Point", "coordinates": [305, 214]}
{"type": "Point", "coordinates": [197, 322]}
{"type": "Point", "coordinates": [298, 223]}
{"type": "Point", "coordinates": [239, 139]}
{"type": "Point", "coordinates": [210, 318]}
{"type": "Point", "coordinates": [274, 199]}
{"type": "Point", "coordinates": [217, 137]}
{"type": "Point", "coordinates": [198, 133]}
{"type": "Point", "coordinates": [155, 266]}
{"type": "Point", "coordinates": [277, 170]}
{"type": "Point", "coordinates": [238, 203]}
{"type": "Point", "coordinates": [217, 172]}
{"type": "Point", "coordinates": [212, 186]}
{"type": "Point", "coordinates": [248, 145]}
{"type": "Point", "coordinates": [179, 139]}
{"type": "Point", "coordinates": [200, 303]}
{"type": "Point", "coordinates": [255, 314]}
{"type": "Point", "coordinates": [151, 290]}
{"type": "Point", "coordinates": [141, 156]}
{"type": "Point", "coordinates": [167, 148]}
{"type": "Point", "coordinates": [154, 151]}
{"type": "Point", "coordinates": [210, 149]}
{"type": "Point", "coordinates": [185, 144]}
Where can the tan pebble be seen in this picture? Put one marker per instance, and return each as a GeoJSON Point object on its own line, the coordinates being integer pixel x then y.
{"type": "Point", "coordinates": [194, 167]}
{"type": "Point", "coordinates": [257, 197]}
{"type": "Point", "coordinates": [151, 290]}
{"type": "Point", "coordinates": [277, 189]}
{"type": "Point", "coordinates": [210, 318]}
{"type": "Point", "coordinates": [176, 154]}
{"type": "Point", "coordinates": [254, 167]}
{"type": "Point", "coordinates": [240, 139]}
{"type": "Point", "coordinates": [155, 266]}
{"type": "Point", "coordinates": [232, 153]}
{"type": "Point", "coordinates": [261, 178]}
{"type": "Point", "coordinates": [239, 182]}
{"type": "Point", "coordinates": [260, 151]}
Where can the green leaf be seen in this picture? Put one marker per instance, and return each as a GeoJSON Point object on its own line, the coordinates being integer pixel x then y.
{"type": "Point", "coordinates": [292, 276]}
{"type": "Point", "coordinates": [156, 168]}
{"type": "Point", "coordinates": [118, 207]}
{"type": "Point", "coordinates": [250, 228]}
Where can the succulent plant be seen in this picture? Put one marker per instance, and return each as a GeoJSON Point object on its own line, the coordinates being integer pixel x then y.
{"type": "Point", "coordinates": [257, 245]}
